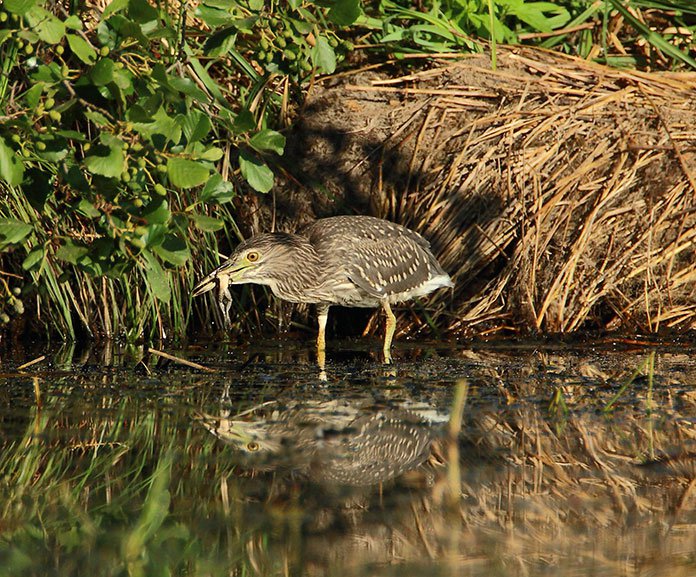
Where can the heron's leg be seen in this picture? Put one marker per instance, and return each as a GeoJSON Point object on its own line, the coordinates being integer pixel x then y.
{"type": "Point", "coordinates": [389, 331]}
{"type": "Point", "coordinates": [322, 317]}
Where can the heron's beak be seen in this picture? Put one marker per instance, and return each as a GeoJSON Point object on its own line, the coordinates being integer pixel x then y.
{"type": "Point", "coordinates": [230, 272]}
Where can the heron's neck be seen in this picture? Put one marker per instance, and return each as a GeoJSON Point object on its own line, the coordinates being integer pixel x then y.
{"type": "Point", "coordinates": [303, 274]}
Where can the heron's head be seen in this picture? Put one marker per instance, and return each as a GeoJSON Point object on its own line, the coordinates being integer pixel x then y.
{"type": "Point", "coordinates": [245, 436]}
{"type": "Point", "coordinates": [262, 260]}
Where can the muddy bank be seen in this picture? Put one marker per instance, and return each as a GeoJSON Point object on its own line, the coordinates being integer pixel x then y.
{"type": "Point", "coordinates": [559, 194]}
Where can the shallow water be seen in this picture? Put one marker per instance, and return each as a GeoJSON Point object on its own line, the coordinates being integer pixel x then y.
{"type": "Point", "coordinates": [526, 460]}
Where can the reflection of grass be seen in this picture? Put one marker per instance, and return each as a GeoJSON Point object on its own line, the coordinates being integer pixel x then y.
{"type": "Point", "coordinates": [127, 485]}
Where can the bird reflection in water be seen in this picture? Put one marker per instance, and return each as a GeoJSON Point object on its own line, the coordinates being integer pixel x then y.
{"type": "Point", "coordinates": [344, 442]}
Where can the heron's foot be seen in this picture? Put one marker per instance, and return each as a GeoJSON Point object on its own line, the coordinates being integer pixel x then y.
{"type": "Point", "coordinates": [321, 359]}
{"type": "Point", "coordinates": [387, 357]}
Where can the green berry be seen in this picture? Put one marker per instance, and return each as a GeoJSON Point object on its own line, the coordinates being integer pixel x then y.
{"type": "Point", "coordinates": [141, 230]}
{"type": "Point", "coordinates": [289, 54]}
{"type": "Point", "coordinates": [86, 146]}
{"type": "Point", "coordinates": [20, 44]}
{"type": "Point", "coordinates": [16, 291]}
{"type": "Point", "coordinates": [333, 42]}
{"type": "Point", "coordinates": [159, 189]}
{"type": "Point", "coordinates": [40, 146]}
{"type": "Point", "coordinates": [28, 49]}
{"type": "Point", "coordinates": [49, 103]}
{"type": "Point", "coordinates": [16, 138]}
{"type": "Point", "coordinates": [54, 115]}
{"type": "Point", "coordinates": [280, 42]}
{"type": "Point", "coordinates": [138, 243]}
{"type": "Point", "coordinates": [125, 177]}
{"type": "Point", "coordinates": [18, 307]}
{"type": "Point", "coordinates": [261, 56]}
{"type": "Point", "coordinates": [162, 167]}
{"type": "Point", "coordinates": [136, 146]}
{"type": "Point", "coordinates": [263, 43]}
{"type": "Point", "coordinates": [4, 318]}
{"type": "Point", "coordinates": [3, 16]}
{"type": "Point", "coordinates": [59, 50]}
{"type": "Point", "coordinates": [104, 51]}
{"type": "Point", "coordinates": [141, 163]}
{"type": "Point", "coordinates": [138, 202]}
{"type": "Point", "coordinates": [269, 57]}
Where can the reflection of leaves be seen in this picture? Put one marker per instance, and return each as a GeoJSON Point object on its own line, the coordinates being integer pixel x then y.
{"type": "Point", "coordinates": [155, 511]}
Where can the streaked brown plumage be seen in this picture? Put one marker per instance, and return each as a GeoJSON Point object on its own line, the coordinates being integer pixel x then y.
{"type": "Point", "coordinates": [354, 261]}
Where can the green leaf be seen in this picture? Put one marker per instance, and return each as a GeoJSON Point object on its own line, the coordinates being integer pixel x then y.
{"type": "Point", "coordinates": [196, 126]}
{"type": "Point", "coordinates": [157, 212]}
{"type": "Point", "coordinates": [18, 6]}
{"type": "Point", "coordinates": [186, 173]}
{"type": "Point", "coordinates": [207, 223]}
{"type": "Point", "coordinates": [49, 28]}
{"type": "Point", "coordinates": [162, 124]}
{"type": "Point", "coordinates": [97, 117]}
{"type": "Point", "coordinates": [86, 208]}
{"type": "Point", "coordinates": [212, 154]}
{"type": "Point", "coordinates": [244, 122]}
{"type": "Point", "coordinates": [111, 165]}
{"type": "Point", "coordinates": [103, 72]}
{"type": "Point", "coordinates": [217, 190]}
{"type": "Point", "coordinates": [344, 12]}
{"type": "Point", "coordinates": [71, 252]}
{"type": "Point", "coordinates": [255, 171]}
{"type": "Point", "coordinates": [33, 258]}
{"type": "Point", "coordinates": [268, 141]}
{"type": "Point", "coordinates": [33, 95]}
{"type": "Point", "coordinates": [324, 56]}
{"type": "Point", "coordinates": [11, 165]}
{"type": "Point", "coordinates": [156, 277]}
{"type": "Point", "coordinates": [189, 88]}
{"type": "Point", "coordinates": [73, 22]}
{"type": "Point", "coordinates": [81, 48]}
{"type": "Point", "coordinates": [113, 7]}
{"type": "Point", "coordinates": [13, 231]}
{"type": "Point", "coordinates": [173, 250]}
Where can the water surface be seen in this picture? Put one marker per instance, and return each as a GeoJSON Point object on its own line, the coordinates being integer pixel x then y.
{"type": "Point", "coordinates": [531, 460]}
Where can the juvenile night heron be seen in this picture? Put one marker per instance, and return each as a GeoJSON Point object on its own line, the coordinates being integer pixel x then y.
{"type": "Point", "coordinates": [353, 261]}
{"type": "Point", "coordinates": [341, 441]}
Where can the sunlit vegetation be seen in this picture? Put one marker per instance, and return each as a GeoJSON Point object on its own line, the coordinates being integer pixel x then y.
{"type": "Point", "coordinates": [132, 132]}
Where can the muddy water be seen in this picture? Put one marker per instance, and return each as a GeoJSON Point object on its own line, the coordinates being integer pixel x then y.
{"type": "Point", "coordinates": [456, 461]}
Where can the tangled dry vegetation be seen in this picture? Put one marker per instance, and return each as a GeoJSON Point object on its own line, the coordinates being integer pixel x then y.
{"type": "Point", "coordinates": [560, 194]}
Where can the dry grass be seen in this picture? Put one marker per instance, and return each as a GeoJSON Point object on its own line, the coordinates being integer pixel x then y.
{"type": "Point", "coordinates": [560, 194]}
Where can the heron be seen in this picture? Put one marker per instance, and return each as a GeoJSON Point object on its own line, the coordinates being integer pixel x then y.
{"type": "Point", "coordinates": [352, 261]}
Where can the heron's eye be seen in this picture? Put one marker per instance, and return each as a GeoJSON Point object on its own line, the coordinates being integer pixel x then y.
{"type": "Point", "coordinates": [252, 447]}
{"type": "Point", "coordinates": [253, 256]}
